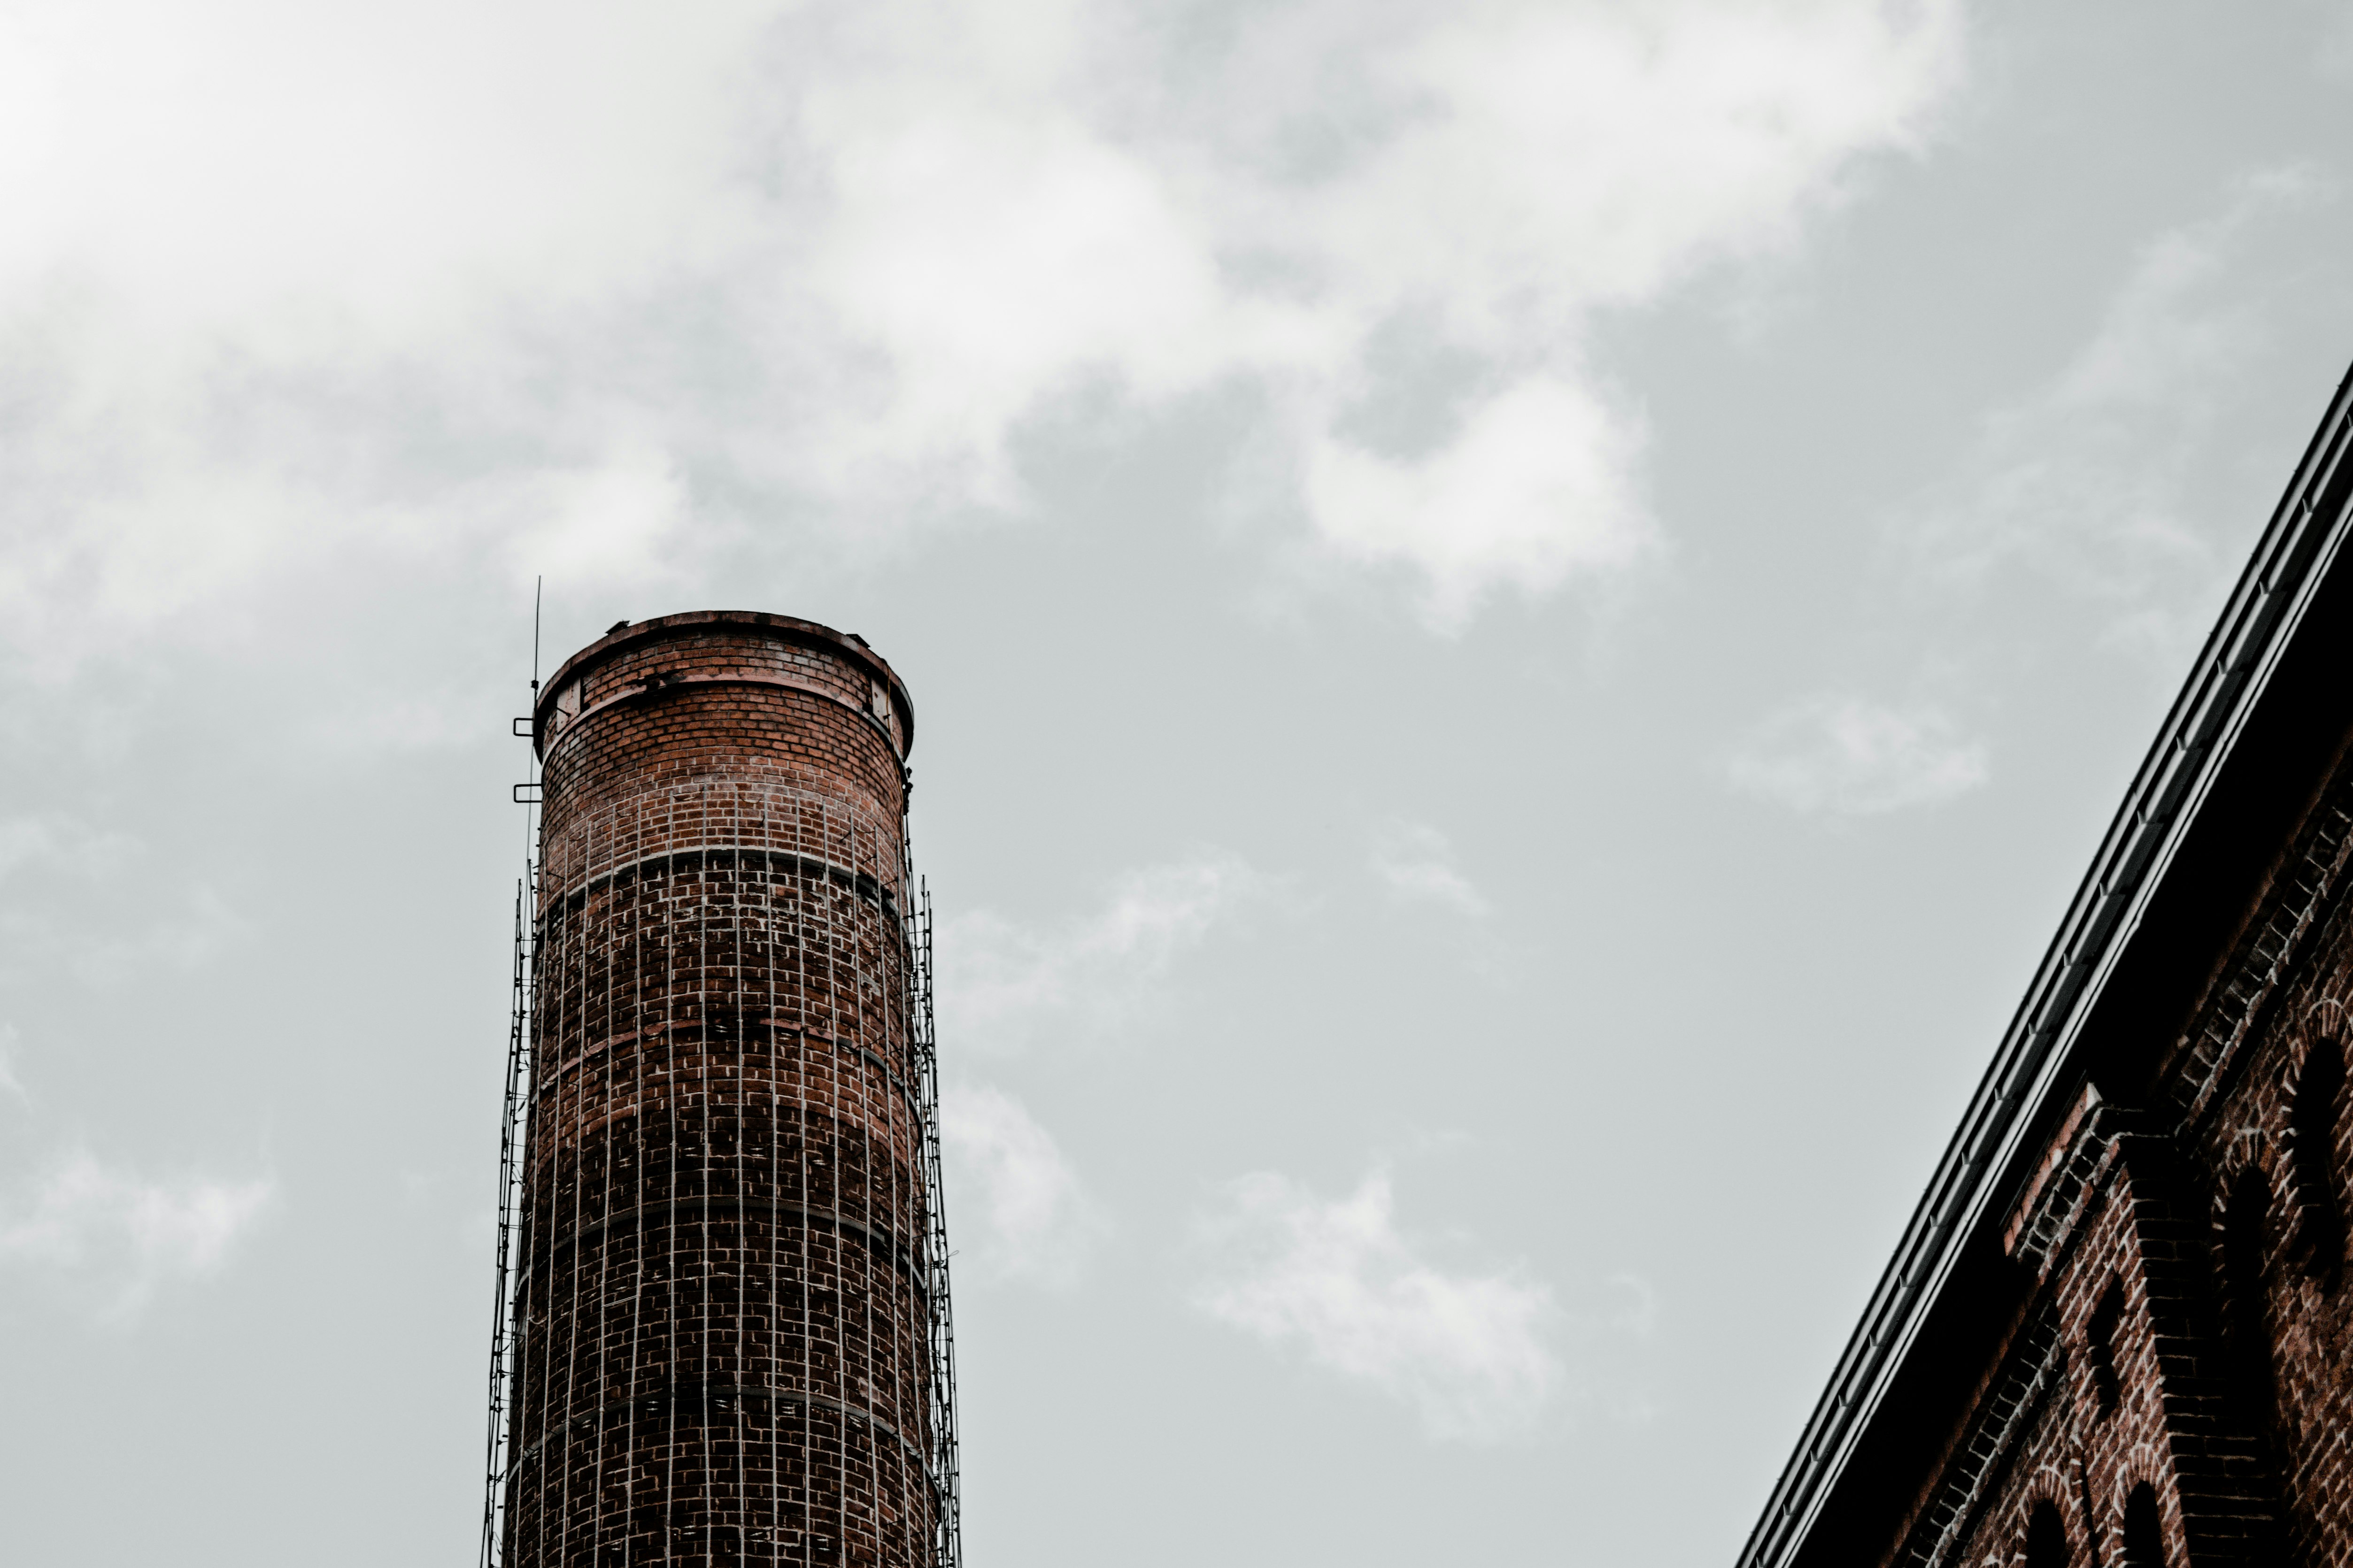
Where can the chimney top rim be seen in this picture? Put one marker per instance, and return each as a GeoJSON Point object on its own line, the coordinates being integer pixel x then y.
{"type": "Point", "coordinates": [854, 649]}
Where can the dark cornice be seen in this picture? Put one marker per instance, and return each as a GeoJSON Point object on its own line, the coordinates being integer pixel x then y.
{"type": "Point", "coordinates": [2046, 1052]}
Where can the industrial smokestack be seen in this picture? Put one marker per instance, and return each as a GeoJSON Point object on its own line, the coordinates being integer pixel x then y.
{"type": "Point", "coordinates": [723, 1333]}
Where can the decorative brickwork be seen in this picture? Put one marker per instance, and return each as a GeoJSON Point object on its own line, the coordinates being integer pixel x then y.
{"type": "Point", "coordinates": [728, 1314]}
{"type": "Point", "coordinates": [2117, 1332]}
{"type": "Point", "coordinates": [2189, 1331]}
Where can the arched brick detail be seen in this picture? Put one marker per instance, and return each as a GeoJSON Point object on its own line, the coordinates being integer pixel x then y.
{"type": "Point", "coordinates": [2257, 1148]}
{"type": "Point", "coordinates": [2176, 1425]}
{"type": "Point", "coordinates": [2052, 1481]}
{"type": "Point", "coordinates": [2142, 1464]}
{"type": "Point", "coordinates": [2326, 1013]}
{"type": "Point", "coordinates": [2098, 1383]}
{"type": "Point", "coordinates": [2312, 1196]}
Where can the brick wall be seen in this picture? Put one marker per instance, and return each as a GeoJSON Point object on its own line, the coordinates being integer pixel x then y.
{"type": "Point", "coordinates": [721, 1318]}
{"type": "Point", "coordinates": [2180, 1386]}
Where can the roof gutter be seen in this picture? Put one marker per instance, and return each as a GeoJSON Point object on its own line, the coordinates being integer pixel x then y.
{"type": "Point", "coordinates": [2037, 1058]}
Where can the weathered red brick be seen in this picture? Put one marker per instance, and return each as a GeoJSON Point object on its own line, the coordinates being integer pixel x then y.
{"type": "Point", "coordinates": [721, 1317]}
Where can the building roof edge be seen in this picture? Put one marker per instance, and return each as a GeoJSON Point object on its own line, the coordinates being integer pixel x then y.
{"type": "Point", "coordinates": [2300, 547]}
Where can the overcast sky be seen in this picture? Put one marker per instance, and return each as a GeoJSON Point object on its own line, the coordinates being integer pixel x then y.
{"type": "Point", "coordinates": [1521, 616]}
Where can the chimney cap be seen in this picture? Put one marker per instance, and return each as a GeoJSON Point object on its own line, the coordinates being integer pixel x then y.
{"type": "Point", "coordinates": [626, 634]}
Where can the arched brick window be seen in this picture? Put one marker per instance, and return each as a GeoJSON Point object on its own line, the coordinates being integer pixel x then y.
{"type": "Point", "coordinates": [2312, 1119]}
{"type": "Point", "coordinates": [2101, 1347]}
{"type": "Point", "coordinates": [2144, 1542]}
{"type": "Point", "coordinates": [2046, 1537]}
{"type": "Point", "coordinates": [2246, 1332]}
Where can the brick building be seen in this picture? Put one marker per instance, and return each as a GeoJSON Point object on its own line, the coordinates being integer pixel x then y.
{"type": "Point", "coordinates": [2118, 1329]}
{"type": "Point", "coordinates": [723, 1324]}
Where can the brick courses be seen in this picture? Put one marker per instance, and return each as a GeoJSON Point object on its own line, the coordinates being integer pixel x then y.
{"type": "Point", "coordinates": [721, 1315]}
{"type": "Point", "coordinates": [2189, 1330]}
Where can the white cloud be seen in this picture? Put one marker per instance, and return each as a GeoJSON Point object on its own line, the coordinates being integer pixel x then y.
{"type": "Point", "coordinates": [1089, 202]}
{"type": "Point", "coordinates": [1000, 982]}
{"type": "Point", "coordinates": [2334, 58]}
{"type": "Point", "coordinates": [287, 288]}
{"type": "Point", "coordinates": [1850, 757]}
{"type": "Point", "coordinates": [10, 1084]}
{"type": "Point", "coordinates": [186, 940]}
{"type": "Point", "coordinates": [2087, 481]}
{"type": "Point", "coordinates": [1536, 486]}
{"type": "Point", "coordinates": [90, 1225]}
{"type": "Point", "coordinates": [100, 953]}
{"type": "Point", "coordinates": [65, 921]}
{"type": "Point", "coordinates": [1336, 1278]}
{"type": "Point", "coordinates": [1416, 865]}
{"type": "Point", "coordinates": [1641, 1316]}
{"type": "Point", "coordinates": [1036, 1221]}
{"type": "Point", "coordinates": [619, 522]}
{"type": "Point", "coordinates": [63, 843]}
